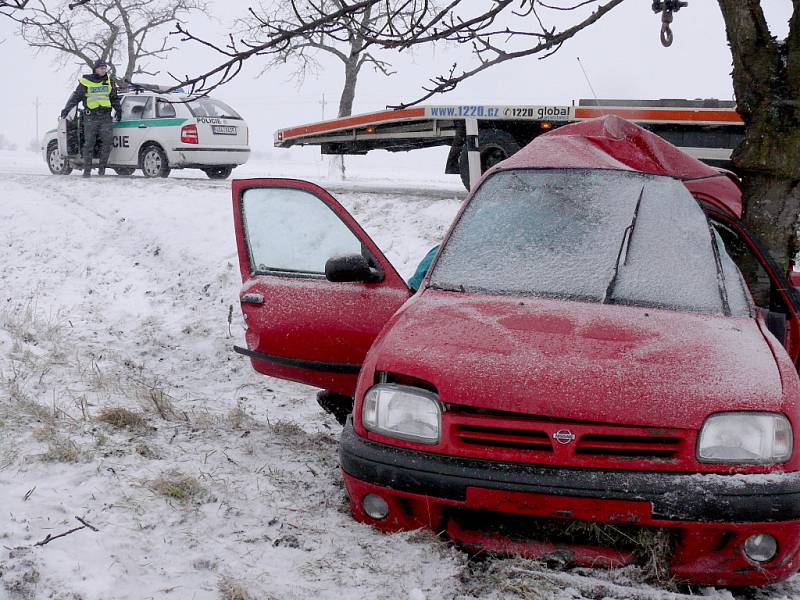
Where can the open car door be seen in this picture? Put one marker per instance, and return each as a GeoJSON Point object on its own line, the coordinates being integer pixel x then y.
{"type": "Point", "coordinates": [62, 137]}
{"type": "Point", "coordinates": [301, 324]}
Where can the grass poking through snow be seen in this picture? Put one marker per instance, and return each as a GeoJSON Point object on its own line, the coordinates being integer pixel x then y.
{"type": "Point", "coordinates": [121, 418]}
{"type": "Point", "coordinates": [178, 486]}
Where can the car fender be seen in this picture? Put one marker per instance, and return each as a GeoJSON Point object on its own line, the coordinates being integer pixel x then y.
{"type": "Point", "coordinates": [49, 136]}
{"type": "Point", "coordinates": [150, 141]}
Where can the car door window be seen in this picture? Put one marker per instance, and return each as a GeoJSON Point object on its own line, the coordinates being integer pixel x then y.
{"type": "Point", "coordinates": [164, 109]}
{"type": "Point", "coordinates": [135, 108]}
{"type": "Point", "coordinates": [293, 231]}
{"type": "Point", "coordinates": [765, 289]}
{"type": "Point", "coordinates": [755, 275]}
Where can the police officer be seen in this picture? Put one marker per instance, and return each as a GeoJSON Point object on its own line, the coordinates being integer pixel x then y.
{"type": "Point", "coordinates": [99, 95]}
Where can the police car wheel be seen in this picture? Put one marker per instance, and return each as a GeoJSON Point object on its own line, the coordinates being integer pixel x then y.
{"type": "Point", "coordinates": [58, 164]}
{"type": "Point", "coordinates": [124, 172]}
{"type": "Point", "coordinates": [219, 172]}
{"type": "Point", "coordinates": [153, 162]}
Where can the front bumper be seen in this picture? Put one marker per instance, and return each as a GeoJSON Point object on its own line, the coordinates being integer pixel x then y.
{"type": "Point", "coordinates": [709, 517]}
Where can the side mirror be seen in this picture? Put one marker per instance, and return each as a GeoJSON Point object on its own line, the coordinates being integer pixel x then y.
{"type": "Point", "coordinates": [351, 267]}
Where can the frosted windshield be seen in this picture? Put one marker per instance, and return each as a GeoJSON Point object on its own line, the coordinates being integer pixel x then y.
{"type": "Point", "coordinates": [592, 235]}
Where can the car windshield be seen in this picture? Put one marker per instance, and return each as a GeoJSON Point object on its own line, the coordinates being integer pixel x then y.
{"type": "Point", "coordinates": [616, 237]}
{"type": "Point", "coordinates": [208, 107]}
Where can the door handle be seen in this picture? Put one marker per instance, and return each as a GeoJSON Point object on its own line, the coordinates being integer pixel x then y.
{"type": "Point", "coordinates": [252, 299]}
{"type": "Point", "coordinates": [142, 126]}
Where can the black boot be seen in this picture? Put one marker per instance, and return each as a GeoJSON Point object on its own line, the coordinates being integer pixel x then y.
{"type": "Point", "coordinates": [87, 172]}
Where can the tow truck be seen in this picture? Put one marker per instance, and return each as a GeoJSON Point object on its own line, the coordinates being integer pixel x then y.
{"type": "Point", "coordinates": [706, 129]}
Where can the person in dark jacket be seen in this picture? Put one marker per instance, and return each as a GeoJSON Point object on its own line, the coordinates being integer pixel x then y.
{"type": "Point", "coordinates": [99, 95]}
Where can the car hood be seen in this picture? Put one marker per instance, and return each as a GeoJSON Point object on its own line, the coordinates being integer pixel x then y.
{"type": "Point", "coordinates": [582, 361]}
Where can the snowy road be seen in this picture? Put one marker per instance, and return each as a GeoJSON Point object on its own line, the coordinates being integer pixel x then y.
{"type": "Point", "coordinates": [117, 293]}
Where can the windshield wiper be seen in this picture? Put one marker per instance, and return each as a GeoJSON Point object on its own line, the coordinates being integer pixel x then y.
{"type": "Point", "coordinates": [448, 288]}
{"type": "Point", "coordinates": [627, 236]}
{"type": "Point", "coordinates": [723, 290]}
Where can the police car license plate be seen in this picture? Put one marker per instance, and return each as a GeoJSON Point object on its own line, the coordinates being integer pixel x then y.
{"type": "Point", "coordinates": [223, 129]}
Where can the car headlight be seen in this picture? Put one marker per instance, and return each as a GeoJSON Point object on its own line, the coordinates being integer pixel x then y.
{"type": "Point", "coordinates": [745, 438]}
{"type": "Point", "coordinates": [403, 412]}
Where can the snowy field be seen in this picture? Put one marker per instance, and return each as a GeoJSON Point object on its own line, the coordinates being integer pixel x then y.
{"type": "Point", "coordinates": [218, 483]}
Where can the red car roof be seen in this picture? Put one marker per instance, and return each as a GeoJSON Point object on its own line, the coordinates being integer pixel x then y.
{"type": "Point", "coordinates": [611, 142]}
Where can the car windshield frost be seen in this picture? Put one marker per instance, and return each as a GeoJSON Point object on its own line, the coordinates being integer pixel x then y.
{"type": "Point", "coordinates": [617, 237]}
{"type": "Point", "coordinates": [208, 107]}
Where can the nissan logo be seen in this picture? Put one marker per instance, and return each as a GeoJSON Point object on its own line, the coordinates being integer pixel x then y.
{"type": "Point", "coordinates": [564, 436]}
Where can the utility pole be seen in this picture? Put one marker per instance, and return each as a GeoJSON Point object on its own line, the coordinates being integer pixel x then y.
{"type": "Point", "coordinates": [323, 103]}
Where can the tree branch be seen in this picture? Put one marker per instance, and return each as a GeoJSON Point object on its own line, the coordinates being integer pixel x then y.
{"type": "Point", "coordinates": [483, 45]}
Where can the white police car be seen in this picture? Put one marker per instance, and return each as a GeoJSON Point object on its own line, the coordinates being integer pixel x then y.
{"type": "Point", "coordinates": [159, 132]}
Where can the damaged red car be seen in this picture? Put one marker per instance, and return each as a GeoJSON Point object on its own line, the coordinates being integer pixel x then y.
{"type": "Point", "coordinates": [599, 352]}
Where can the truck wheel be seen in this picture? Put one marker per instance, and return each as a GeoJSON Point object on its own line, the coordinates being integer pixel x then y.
{"type": "Point", "coordinates": [219, 172]}
{"type": "Point", "coordinates": [125, 172]}
{"type": "Point", "coordinates": [57, 163]}
{"type": "Point", "coordinates": [495, 145]}
{"type": "Point", "coordinates": [153, 162]}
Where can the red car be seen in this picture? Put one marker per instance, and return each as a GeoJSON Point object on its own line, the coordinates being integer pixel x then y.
{"type": "Point", "coordinates": [599, 345]}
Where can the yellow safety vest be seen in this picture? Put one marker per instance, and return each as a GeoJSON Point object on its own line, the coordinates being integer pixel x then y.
{"type": "Point", "coordinates": [97, 94]}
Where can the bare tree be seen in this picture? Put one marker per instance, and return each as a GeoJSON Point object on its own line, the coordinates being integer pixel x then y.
{"type": "Point", "coordinates": [345, 40]}
{"type": "Point", "coordinates": [766, 74]}
{"type": "Point", "coordinates": [20, 4]}
{"type": "Point", "coordinates": [408, 23]}
{"type": "Point", "coordinates": [125, 33]}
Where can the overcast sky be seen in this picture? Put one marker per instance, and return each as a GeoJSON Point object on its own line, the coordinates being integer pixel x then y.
{"type": "Point", "coordinates": [622, 55]}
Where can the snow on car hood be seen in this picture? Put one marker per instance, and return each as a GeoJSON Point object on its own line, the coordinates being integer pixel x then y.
{"type": "Point", "coordinates": [585, 361]}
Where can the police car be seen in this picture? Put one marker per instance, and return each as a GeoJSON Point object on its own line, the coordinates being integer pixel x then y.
{"type": "Point", "coordinates": [159, 132]}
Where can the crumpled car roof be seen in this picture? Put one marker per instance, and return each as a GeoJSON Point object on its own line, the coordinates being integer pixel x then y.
{"type": "Point", "coordinates": [611, 142]}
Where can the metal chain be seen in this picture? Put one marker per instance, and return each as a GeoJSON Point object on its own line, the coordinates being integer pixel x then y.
{"type": "Point", "coordinates": [666, 32]}
{"type": "Point", "coordinates": [666, 8]}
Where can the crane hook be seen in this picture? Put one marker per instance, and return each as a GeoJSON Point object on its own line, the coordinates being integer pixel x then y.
{"type": "Point", "coordinates": [666, 8]}
{"type": "Point", "coordinates": [666, 32]}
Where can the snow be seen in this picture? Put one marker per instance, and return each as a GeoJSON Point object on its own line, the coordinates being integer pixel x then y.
{"type": "Point", "coordinates": [117, 292]}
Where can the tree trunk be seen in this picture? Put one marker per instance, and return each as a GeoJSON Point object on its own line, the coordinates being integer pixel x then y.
{"type": "Point", "coordinates": [768, 160]}
{"type": "Point", "coordinates": [352, 66]}
{"type": "Point", "coordinates": [766, 81]}
{"type": "Point", "coordinates": [129, 70]}
{"type": "Point", "coordinates": [351, 69]}
{"type": "Point", "coordinates": [772, 205]}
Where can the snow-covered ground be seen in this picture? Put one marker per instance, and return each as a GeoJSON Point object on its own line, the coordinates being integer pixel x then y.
{"type": "Point", "coordinates": [122, 293]}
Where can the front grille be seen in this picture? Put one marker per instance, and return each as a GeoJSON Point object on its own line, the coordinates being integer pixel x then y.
{"type": "Point", "coordinates": [633, 446]}
{"type": "Point", "coordinates": [546, 440]}
{"type": "Point", "coordinates": [503, 437]}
